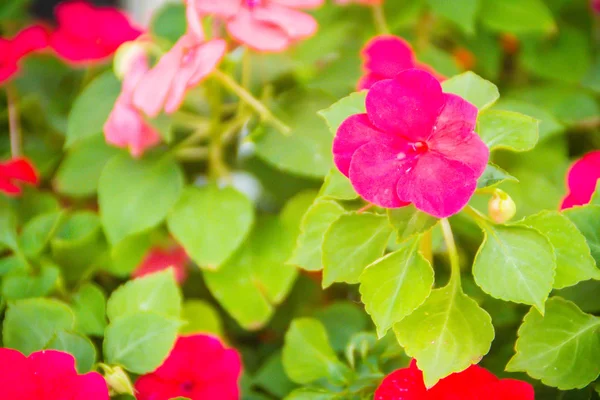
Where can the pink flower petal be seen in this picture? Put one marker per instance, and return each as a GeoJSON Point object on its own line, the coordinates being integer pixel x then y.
{"type": "Point", "coordinates": [90, 386]}
{"type": "Point", "coordinates": [305, 4]}
{"type": "Point", "coordinates": [55, 374]}
{"type": "Point", "coordinates": [514, 390]}
{"type": "Point", "coordinates": [402, 384]}
{"type": "Point", "coordinates": [159, 259]}
{"type": "Point", "coordinates": [437, 185]}
{"type": "Point", "coordinates": [375, 169]}
{"type": "Point", "coordinates": [16, 378]}
{"type": "Point", "coordinates": [296, 24]}
{"type": "Point", "coordinates": [407, 105]}
{"type": "Point", "coordinates": [30, 39]}
{"type": "Point", "coordinates": [469, 384]}
{"type": "Point", "coordinates": [151, 387]}
{"type": "Point", "coordinates": [19, 169]}
{"type": "Point", "coordinates": [223, 8]}
{"type": "Point", "coordinates": [354, 132]}
{"type": "Point", "coordinates": [387, 56]}
{"type": "Point", "coordinates": [582, 179]}
{"type": "Point", "coordinates": [257, 35]}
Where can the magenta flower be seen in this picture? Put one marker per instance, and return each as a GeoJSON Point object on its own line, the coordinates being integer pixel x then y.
{"type": "Point", "coordinates": [582, 179]}
{"type": "Point", "coordinates": [126, 126]}
{"type": "Point", "coordinates": [415, 145]}
{"type": "Point", "coordinates": [158, 259]}
{"type": "Point", "coordinates": [199, 368]}
{"type": "Point", "coordinates": [595, 6]}
{"type": "Point", "coordinates": [264, 25]}
{"type": "Point", "coordinates": [363, 2]}
{"type": "Point", "coordinates": [385, 57]}
{"type": "Point", "coordinates": [47, 375]}
{"type": "Point", "coordinates": [14, 172]}
{"type": "Point", "coordinates": [27, 41]}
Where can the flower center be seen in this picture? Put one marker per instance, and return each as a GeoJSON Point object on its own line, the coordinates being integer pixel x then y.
{"type": "Point", "coordinates": [187, 387]}
{"type": "Point", "coordinates": [414, 150]}
{"type": "Point", "coordinates": [189, 53]}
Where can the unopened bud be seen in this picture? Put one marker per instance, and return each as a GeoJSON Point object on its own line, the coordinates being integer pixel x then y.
{"type": "Point", "coordinates": [125, 56]}
{"type": "Point", "coordinates": [118, 381]}
{"type": "Point", "coordinates": [501, 207]}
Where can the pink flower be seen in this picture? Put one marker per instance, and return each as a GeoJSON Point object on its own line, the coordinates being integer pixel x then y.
{"type": "Point", "coordinates": [126, 126]}
{"type": "Point", "coordinates": [474, 383]}
{"type": "Point", "coordinates": [415, 145]}
{"type": "Point", "coordinates": [47, 375]}
{"type": "Point", "coordinates": [363, 2]}
{"type": "Point", "coordinates": [385, 57]}
{"type": "Point", "coordinates": [17, 170]}
{"type": "Point", "coordinates": [90, 34]}
{"type": "Point", "coordinates": [582, 179]}
{"type": "Point", "coordinates": [264, 25]}
{"type": "Point", "coordinates": [188, 63]}
{"type": "Point", "coordinates": [595, 6]}
{"type": "Point", "coordinates": [159, 259]}
{"type": "Point", "coordinates": [27, 41]}
{"type": "Point", "coordinates": [199, 368]}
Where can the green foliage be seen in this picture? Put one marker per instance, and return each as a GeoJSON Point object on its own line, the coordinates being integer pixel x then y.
{"type": "Point", "coordinates": [492, 176]}
{"type": "Point", "coordinates": [89, 306]}
{"type": "Point", "coordinates": [199, 316]}
{"type": "Point", "coordinates": [408, 222]}
{"type": "Point", "coordinates": [79, 346]}
{"type": "Point", "coordinates": [342, 109]}
{"type": "Point", "coordinates": [507, 130]}
{"type": "Point", "coordinates": [517, 16]}
{"type": "Point", "coordinates": [473, 88]}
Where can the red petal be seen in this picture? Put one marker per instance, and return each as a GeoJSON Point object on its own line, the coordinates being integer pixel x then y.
{"type": "Point", "coordinates": [407, 105]}
{"type": "Point", "coordinates": [16, 378]}
{"type": "Point", "coordinates": [354, 132]}
{"type": "Point", "coordinates": [55, 374]}
{"type": "Point", "coordinates": [582, 179]}
{"type": "Point", "coordinates": [387, 56]}
{"type": "Point", "coordinates": [29, 40]}
{"type": "Point", "coordinates": [402, 384]}
{"type": "Point", "coordinates": [151, 387]}
{"type": "Point", "coordinates": [470, 384]}
{"type": "Point", "coordinates": [9, 188]}
{"type": "Point", "coordinates": [19, 169]}
{"type": "Point", "coordinates": [159, 259]}
{"type": "Point", "coordinates": [90, 386]}
{"type": "Point", "coordinates": [511, 389]}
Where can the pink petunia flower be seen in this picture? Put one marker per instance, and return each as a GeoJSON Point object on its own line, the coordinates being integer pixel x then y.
{"type": "Point", "coordinates": [474, 383]}
{"type": "Point", "coordinates": [582, 179]}
{"type": "Point", "coordinates": [183, 67]}
{"type": "Point", "coordinates": [29, 40]}
{"type": "Point", "coordinates": [264, 25]}
{"type": "Point", "coordinates": [159, 259]}
{"type": "Point", "coordinates": [199, 367]}
{"type": "Point", "coordinates": [415, 144]}
{"type": "Point", "coordinates": [47, 375]}
{"type": "Point", "coordinates": [17, 170]}
{"type": "Point", "coordinates": [385, 57]}
{"type": "Point", "coordinates": [126, 126]}
{"type": "Point", "coordinates": [90, 34]}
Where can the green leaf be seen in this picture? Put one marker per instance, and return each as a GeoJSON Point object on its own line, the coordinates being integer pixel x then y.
{"type": "Point", "coordinates": [8, 228]}
{"type": "Point", "coordinates": [89, 305]}
{"type": "Point", "coordinates": [316, 221]}
{"type": "Point", "coordinates": [38, 231]}
{"type": "Point", "coordinates": [561, 348]}
{"type": "Point", "coordinates": [395, 285]}
{"type": "Point", "coordinates": [492, 176]}
{"type": "Point", "coordinates": [517, 16]}
{"type": "Point", "coordinates": [515, 263]}
{"type": "Point", "coordinates": [77, 345]}
{"type": "Point", "coordinates": [342, 320]}
{"type": "Point", "coordinates": [408, 221]}
{"type": "Point", "coordinates": [272, 378]}
{"type": "Point", "coordinates": [344, 108]}
{"type": "Point", "coordinates": [79, 173]}
{"type": "Point", "coordinates": [293, 212]}
{"type": "Point", "coordinates": [127, 255]}
{"type": "Point", "coordinates": [307, 354]}
{"type": "Point", "coordinates": [211, 223]}
{"type": "Point", "coordinates": [312, 394]}
{"type": "Point", "coordinates": [507, 130]}
{"type": "Point", "coordinates": [256, 276]}
{"type": "Point", "coordinates": [337, 187]}
{"type": "Point", "coordinates": [30, 324]}
{"type": "Point", "coordinates": [136, 195]}
{"type": "Point", "coordinates": [446, 334]}
{"type": "Point", "coordinates": [587, 220]}
{"type": "Point", "coordinates": [200, 317]}
{"type": "Point", "coordinates": [156, 292]}
{"type": "Point", "coordinates": [91, 109]}
{"type": "Point", "coordinates": [306, 151]}
{"type": "Point", "coordinates": [140, 342]}
{"type": "Point", "coordinates": [461, 12]}
{"type": "Point", "coordinates": [574, 262]}
{"type": "Point", "coordinates": [23, 285]}
{"type": "Point", "coordinates": [549, 124]}
{"type": "Point", "coordinates": [169, 22]}
{"type": "Point", "coordinates": [351, 243]}
{"type": "Point", "coordinates": [473, 88]}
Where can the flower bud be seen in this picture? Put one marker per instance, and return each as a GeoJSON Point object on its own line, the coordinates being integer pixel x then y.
{"type": "Point", "coordinates": [118, 381]}
{"type": "Point", "coordinates": [501, 207]}
{"type": "Point", "coordinates": [125, 56]}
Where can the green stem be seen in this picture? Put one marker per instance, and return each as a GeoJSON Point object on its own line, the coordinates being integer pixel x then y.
{"type": "Point", "coordinates": [14, 124]}
{"type": "Point", "coordinates": [217, 167]}
{"type": "Point", "coordinates": [251, 101]}
{"type": "Point", "coordinates": [452, 253]}
{"type": "Point", "coordinates": [425, 246]}
{"type": "Point", "coordinates": [192, 154]}
{"type": "Point", "coordinates": [379, 19]}
{"type": "Point", "coordinates": [478, 217]}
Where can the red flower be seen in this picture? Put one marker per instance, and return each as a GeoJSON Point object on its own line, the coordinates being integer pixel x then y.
{"type": "Point", "coordinates": [13, 50]}
{"type": "Point", "coordinates": [199, 367]}
{"type": "Point", "coordinates": [20, 170]}
{"type": "Point", "coordinates": [264, 25]}
{"type": "Point", "coordinates": [582, 179]}
{"type": "Point", "coordinates": [474, 383]}
{"type": "Point", "coordinates": [159, 259]}
{"type": "Point", "coordinates": [47, 375]}
{"type": "Point", "coordinates": [415, 145]}
{"type": "Point", "coordinates": [385, 57]}
{"type": "Point", "coordinates": [90, 34]}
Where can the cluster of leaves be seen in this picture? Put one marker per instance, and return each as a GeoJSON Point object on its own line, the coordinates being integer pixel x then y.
{"type": "Point", "coordinates": [261, 233]}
